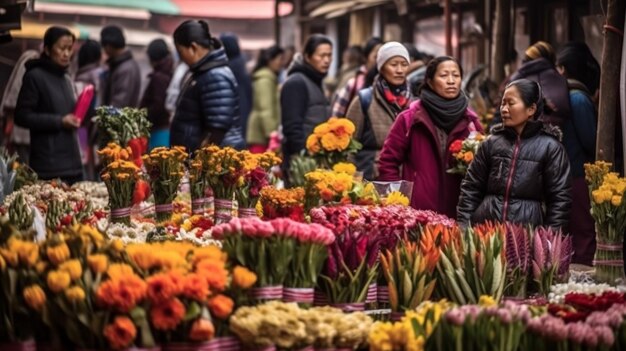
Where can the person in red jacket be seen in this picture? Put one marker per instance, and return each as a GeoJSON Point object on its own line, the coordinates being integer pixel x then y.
{"type": "Point", "coordinates": [417, 148]}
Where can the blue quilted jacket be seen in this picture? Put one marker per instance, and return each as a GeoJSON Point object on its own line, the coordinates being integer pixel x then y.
{"type": "Point", "coordinates": [208, 103]}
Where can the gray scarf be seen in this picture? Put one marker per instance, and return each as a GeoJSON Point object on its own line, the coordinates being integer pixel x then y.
{"type": "Point", "coordinates": [445, 113]}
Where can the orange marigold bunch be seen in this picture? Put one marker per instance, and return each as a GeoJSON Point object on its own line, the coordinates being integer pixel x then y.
{"type": "Point", "coordinates": [114, 152]}
{"type": "Point", "coordinates": [123, 291]}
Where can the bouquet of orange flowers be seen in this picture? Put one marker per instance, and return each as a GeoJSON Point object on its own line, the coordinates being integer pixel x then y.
{"type": "Point", "coordinates": [20, 297]}
{"type": "Point", "coordinates": [166, 168]}
{"type": "Point", "coordinates": [255, 178]}
{"type": "Point", "coordinates": [277, 203]}
{"type": "Point", "coordinates": [120, 178]}
{"type": "Point", "coordinates": [464, 151]}
{"type": "Point", "coordinates": [332, 142]}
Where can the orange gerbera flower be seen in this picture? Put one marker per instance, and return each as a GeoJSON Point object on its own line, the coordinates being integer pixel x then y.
{"type": "Point", "coordinates": [160, 288]}
{"type": "Point", "coordinates": [121, 333]}
{"type": "Point", "coordinates": [177, 277]}
{"type": "Point", "coordinates": [202, 330]}
{"type": "Point", "coordinates": [243, 277]}
{"type": "Point", "coordinates": [167, 315]}
{"type": "Point", "coordinates": [214, 272]}
{"type": "Point", "coordinates": [221, 306]}
{"type": "Point", "coordinates": [196, 287]}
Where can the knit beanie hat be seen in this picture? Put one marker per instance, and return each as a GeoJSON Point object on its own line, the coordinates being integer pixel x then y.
{"type": "Point", "coordinates": [157, 50]}
{"type": "Point", "coordinates": [390, 50]}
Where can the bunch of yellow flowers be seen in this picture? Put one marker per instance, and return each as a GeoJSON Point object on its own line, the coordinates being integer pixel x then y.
{"type": "Point", "coordinates": [328, 185]}
{"type": "Point", "coordinates": [611, 190]}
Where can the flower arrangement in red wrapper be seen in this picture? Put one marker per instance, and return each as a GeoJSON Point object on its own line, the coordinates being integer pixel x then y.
{"type": "Point", "coordinates": [255, 177]}
{"type": "Point", "coordinates": [278, 203]}
{"type": "Point", "coordinates": [127, 127]}
{"type": "Point", "coordinates": [464, 151]}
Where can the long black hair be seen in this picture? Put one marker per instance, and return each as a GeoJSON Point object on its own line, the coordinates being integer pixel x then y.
{"type": "Point", "coordinates": [267, 55]}
{"type": "Point", "coordinates": [431, 69]}
{"type": "Point", "coordinates": [531, 93]}
{"type": "Point", "coordinates": [195, 31]}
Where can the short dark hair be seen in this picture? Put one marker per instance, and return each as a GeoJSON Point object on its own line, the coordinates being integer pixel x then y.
{"type": "Point", "coordinates": [54, 33]}
{"type": "Point", "coordinates": [530, 92]}
{"type": "Point", "coordinates": [195, 31]}
{"type": "Point", "coordinates": [431, 69]}
{"type": "Point", "coordinates": [157, 50]}
{"type": "Point", "coordinates": [89, 52]}
{"type": "Point", "coordinates": [313, 42]}
{"type": "Point", "coordinates": [113, 36]}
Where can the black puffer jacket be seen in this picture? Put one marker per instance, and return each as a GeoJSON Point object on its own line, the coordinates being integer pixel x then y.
{"type": "Point", "coordinates": [523, 179]}
{"type": "Point", "coordinates": [208, 103]}
{"type": "Point", "coordinates": [46, 96]}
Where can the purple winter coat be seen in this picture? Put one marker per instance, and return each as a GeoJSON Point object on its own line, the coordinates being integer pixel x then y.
{"type": "Point", "coordinates": [411, 153]}
{"type": "Point", "coordinates": [553, 86]}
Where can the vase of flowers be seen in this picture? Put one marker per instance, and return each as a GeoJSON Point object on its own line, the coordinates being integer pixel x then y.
{"type": "Point", "coordinates": [165, 168]}
{"type": "Point", "coordinates": [608, 209]}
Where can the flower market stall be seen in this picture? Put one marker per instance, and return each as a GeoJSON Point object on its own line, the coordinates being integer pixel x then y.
{"type": "Point", "coordinates": [208, 251]}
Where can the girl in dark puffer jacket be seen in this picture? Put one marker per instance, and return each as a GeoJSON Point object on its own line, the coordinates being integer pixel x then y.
{"type": "Point", "coordinates": [521, 173]}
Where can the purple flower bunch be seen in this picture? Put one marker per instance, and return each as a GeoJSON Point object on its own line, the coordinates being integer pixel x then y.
{"type": "Point", "coordinates": [552, 253]}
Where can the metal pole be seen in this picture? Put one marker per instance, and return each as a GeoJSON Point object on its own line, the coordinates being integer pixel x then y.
{"type": "Point", "coordinates": [277, 22]}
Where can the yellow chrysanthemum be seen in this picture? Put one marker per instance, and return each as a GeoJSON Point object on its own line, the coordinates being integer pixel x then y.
{"type": "Point", "coordinates": [345, 167]}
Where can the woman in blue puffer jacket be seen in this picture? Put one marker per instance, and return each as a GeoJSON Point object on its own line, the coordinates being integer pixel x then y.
{"type": "Point", "coordinates": [207, 111]}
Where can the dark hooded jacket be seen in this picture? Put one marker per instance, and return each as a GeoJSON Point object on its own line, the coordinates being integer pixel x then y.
{"type": "Point", "coordinates": [237, 64]}
{"type": "Point", "coordinates": [208, 103]}
{"type": "Point", "coordinates": [520, 179]}
{"type": "Point", "coordinates": [156, 92]}
{"type": "Point", "coordinates": [303, 106]}
{"type": "Point", "coordinates": [554, 88]}
{"type": "Point", "coordinates": [47, 95]}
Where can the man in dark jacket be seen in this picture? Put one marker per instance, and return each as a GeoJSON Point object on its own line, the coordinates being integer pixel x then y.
{"type": "Point", "coordinates": [123, 83]}
{"type": "Point", "coordinates": [237, 64]}
{"type": "Point", "coordinates": [155, 94]}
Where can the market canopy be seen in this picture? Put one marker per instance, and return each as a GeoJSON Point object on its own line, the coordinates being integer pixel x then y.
{"type": "Point", "coordinates": [36, 30]}
{"type": "Point", "coordinates": [248, 9]}
{"type": "Point", "coordinates": [164, 7]}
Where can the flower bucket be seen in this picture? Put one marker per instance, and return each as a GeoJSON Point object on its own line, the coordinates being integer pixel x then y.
{"type": "Point", "coordinates": [188, 346]}
{"type": "Point", "coordinates": [197, 206]}
{"type": "Point", "coordinates": [28, 345]}
{"type": "Point", "coordinates": [299, 295]}
{"type": "Point", "coordinates": [223, 210]}
{"type": "Point", "coordinates": [120, 215]}
{"type": "Point", "coordinates": [225, 343]}
{"type": "Point", "coordinates": [163, 212]}
{"type": "Point", "coordinates": [372, 293]}
{"type": "Point", "coordinates": [319, 298]}
{"type": "Point", "coordinates": [397, 316]}
{"type": "Point", "coordinates": [350, 307]}
{"type": "Point", "coordinates": [247, 212]}
{"type": "Point", "coordinates": [266, 293]}
{"type": "Point", "coordinates": [609, 258]}
{"type": "Point", "coordinates": [382, 294]}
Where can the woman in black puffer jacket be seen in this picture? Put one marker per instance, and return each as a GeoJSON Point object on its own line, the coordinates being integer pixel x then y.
{"type": "Point", "coordinates": [208, 107]}
{"type": "Point", "coordinates": [521, 173]}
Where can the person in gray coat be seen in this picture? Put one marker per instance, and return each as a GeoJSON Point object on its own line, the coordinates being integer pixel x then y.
{"type": "Point", "coordinates": [123, 81]}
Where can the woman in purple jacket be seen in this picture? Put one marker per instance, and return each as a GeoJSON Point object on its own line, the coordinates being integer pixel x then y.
{"type": "Point", "coordinates": [417, 148]}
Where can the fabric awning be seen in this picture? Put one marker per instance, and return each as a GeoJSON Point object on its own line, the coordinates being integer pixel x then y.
{"type": "Point", "coordinates": [164, 7]}
{"type": "Point", "coordinates": [245, 9]}
{"type": "Point", "coordinates": [36, 30]}
{"type": "Point", "coordinates": [134, 37]}
{"type": "Point", "coordinates": [339, 8]}
{"type": "Point", "coordinates": [91, 10]}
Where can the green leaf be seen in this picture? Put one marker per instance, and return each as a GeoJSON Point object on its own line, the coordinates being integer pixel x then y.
{"type": "Point", "coordinates": [192, 312]}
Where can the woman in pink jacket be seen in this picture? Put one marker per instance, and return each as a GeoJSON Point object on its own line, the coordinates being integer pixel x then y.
{"type": "Point", "coordinates": [417, 148]}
